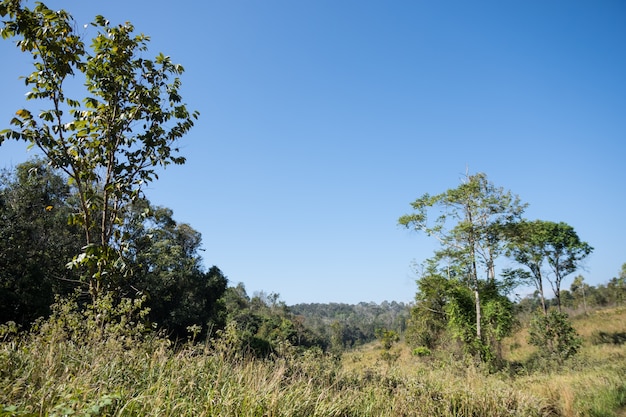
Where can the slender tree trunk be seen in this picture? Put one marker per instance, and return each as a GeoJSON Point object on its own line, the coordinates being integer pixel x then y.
{"type": "Point", "coordinates": [491, 269]}
{"type": "Point", "coordinates": [543, 298]}
{"type": "Point", "coordinates": [558, 299]}
{"type": "Point", "coordinates": [478, 313]}
{"type": "Point", "coordinates": [474, 272]}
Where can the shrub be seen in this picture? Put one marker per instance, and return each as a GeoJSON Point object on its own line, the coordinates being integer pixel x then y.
{"type": "Point", "coordinates": [554, 335]}
{"type": "Point", "coordinates": [421, 351]}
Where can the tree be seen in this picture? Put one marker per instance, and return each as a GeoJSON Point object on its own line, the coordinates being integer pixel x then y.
{"type": "Point", "coordinates": [469, 227]}
{"type": "Point", "coordinates": [108, 144]}
{"type": "Point", "coordinates": [35, 241]}
{"type": "Point", "coordinates": [549, 250]}
{"type": "Point", "coordinates": [428, 316]}
{"type": "Point", "coordinates": [164, 265]}
{"type": "Point", "coordinates": [564, 254]}
{"type": "Point", "coordinates": [579, 286]}
{"type": "Point", "coordinates": [526, 243]}
{"type": "Point", "coordinates": [617, 287]}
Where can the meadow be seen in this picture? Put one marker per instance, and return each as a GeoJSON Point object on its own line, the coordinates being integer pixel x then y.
{"type": "Point", "coordinates": [52, 373]}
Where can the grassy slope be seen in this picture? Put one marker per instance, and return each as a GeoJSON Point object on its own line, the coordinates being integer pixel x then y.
{"type": "Point", "coordinates": [47, 375]}
{"type": "Point", "coordinates": [593, 383]}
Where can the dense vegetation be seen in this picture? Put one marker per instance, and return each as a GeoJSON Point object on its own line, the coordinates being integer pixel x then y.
{"type": "Point", "coordinates": [106, 307]}
{"type": "Point", "coordinates": [117, 371]}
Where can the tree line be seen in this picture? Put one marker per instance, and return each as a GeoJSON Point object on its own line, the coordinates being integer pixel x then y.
{"type": "Point", "coordinates": [161, 261]}
{"type": "Point", "coordinates": [165, 271]}
{"type": "Point", "coordinates": [76, 223]}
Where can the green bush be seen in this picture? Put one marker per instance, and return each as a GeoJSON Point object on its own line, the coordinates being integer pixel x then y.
{"type": "Point", "coordinates": [421, 351]}
{"type": "Point", "coordinates": [554, 335]}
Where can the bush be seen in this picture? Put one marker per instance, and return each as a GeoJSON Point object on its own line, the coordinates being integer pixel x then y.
{"type": "Point", "coordinates": [421, 351]}
{"type": "Point", "coordinates": [554, 335]}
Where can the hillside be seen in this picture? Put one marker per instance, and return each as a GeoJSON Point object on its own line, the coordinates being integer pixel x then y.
{"type": "Point", "coordinates": [48, 373]}
{"type": "Point", "coordinates": [353, 324]}
{"type": "Point", "coordinates": [592, 384]}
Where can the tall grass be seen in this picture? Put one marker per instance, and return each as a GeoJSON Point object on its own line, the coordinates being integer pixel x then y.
{"type": "Point", "coordinates": [48, 374]}
{"type": "Point", "coordinates": [64, 379]}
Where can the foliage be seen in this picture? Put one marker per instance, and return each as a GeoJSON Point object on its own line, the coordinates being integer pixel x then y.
{"type": "Point", "coordinates": [421, 351]}
{"type": "Point", "coordinates": [262, 325]}
{"type": "Point", "coordinates": [444, 311]}
{"type": "Point", "coordinates": [35, 241]}
{"type": "Point", "coordinates": [163, 258]}
{"type": "Point", "coordinates": [428, 319]}
{"type": "Point", "coordinates": [549, 250]}
{"type": "Point", "coordinates": [554, 335]}
{"type": "Point", "coordinates": [388, 338]}
{"type": "Point", "coordinates": [470, 224]}
{"type": "Point", "coordinates": [118, 323]}
{"type": "Point", "coordinates": [41, 376]}
{"type": "Point", "coordinates": [110, 142]}
{"type": "Point", "coordinates": [617, 286]}
{"type": "Point", "coordinates": [351, 325]}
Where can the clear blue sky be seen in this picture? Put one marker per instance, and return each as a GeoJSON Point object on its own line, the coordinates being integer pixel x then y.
{"type": "Point", "coordinates": [322, 120]}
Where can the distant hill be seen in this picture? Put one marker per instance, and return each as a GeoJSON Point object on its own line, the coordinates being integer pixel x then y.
{"type": "Point", "coordinates": [352, 324]}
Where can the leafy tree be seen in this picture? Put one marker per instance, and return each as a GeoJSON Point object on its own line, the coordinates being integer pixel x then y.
{"type": "Point", "coordinates": [617, 287]}
{"type": "Point", "coordinates": [164, 265]}
{"type": "Point", "coordinates": [579, 287]}
{"type": "Point", "coordinates": [108, 144]}
{"type": "Point", "coordinates": [564, 255]}
{"type": "Point", "coordinates": [549, 250]}
{"type": "Point", "coordinates": [263, 325]}
{"type": "Point", "coordinates": [428, 319]}
{"type": "Point", "coordinates": [469, 226]}
{"type": "Point", "coordinates": [526, 243]}
{"type": "Point", "coordinates": [35, 241]}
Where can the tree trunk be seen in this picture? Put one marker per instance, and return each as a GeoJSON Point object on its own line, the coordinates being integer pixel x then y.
{"type": "Point", "coordinates": [478, 313]}
{"type": "Point", "coordinates": [543, 299]}
{"type": "Point", "coordinates": [474, 272]}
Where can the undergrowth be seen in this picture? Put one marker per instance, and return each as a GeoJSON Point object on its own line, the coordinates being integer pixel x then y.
{"type": "Point", "coordinates": [118, 372]}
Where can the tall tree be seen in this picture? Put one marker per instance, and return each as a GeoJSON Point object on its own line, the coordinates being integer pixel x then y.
{"type": "Point", "coordinates": [579, 286]}
{"type": "Point", "coordinates": [110, 142]}
{"type": "Point", "coordinates": [165, 266]}
{"type": "Point", "coordinates": [526, 242]}
{"type": "Point", "coordinates": [35, 241]}
{"type": "Point", "coordinates": [469, 227]}
{"type": "Point", "coordinates": [564, 255]}
{"type": "Point", "coordinates": [617, 285]}
{"type": "Point", "coordinates": [550, 251]}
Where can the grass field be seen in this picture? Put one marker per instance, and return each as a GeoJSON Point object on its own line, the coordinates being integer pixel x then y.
{"type": "Point", "coordinates": [51, 375]}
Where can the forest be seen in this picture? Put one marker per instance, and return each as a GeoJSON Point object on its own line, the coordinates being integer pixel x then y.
{"type": "Point", "coordinates": [107, 307]}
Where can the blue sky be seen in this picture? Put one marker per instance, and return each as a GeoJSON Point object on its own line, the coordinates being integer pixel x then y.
{"type": "Point", "coordinates": [322, 120]}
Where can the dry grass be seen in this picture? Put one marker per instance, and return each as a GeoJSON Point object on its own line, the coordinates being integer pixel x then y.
{"type": "Point", "coordinates": [48, 376]}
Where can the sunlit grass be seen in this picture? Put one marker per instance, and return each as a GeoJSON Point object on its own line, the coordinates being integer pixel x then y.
{"type": "Point", "coordinates": [52, 376]}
